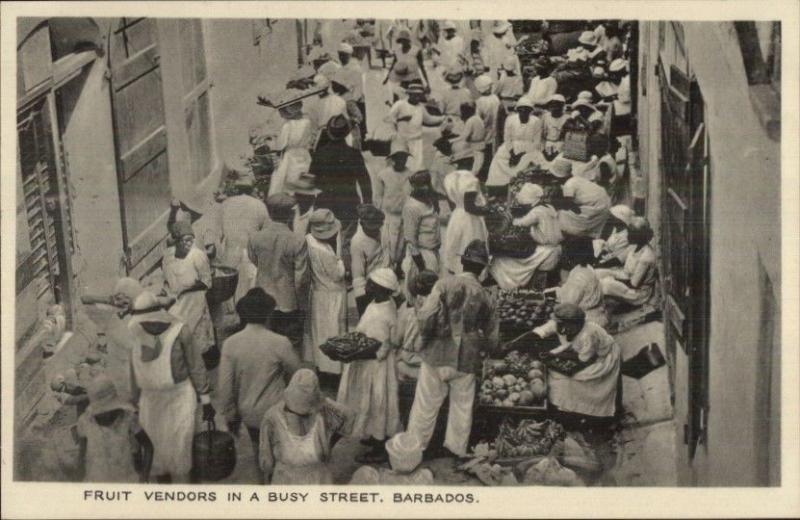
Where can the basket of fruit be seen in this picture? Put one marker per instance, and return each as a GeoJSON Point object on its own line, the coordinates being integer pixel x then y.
{"type": "Point", "coordinates": [515, 382]}
{"type": "Point", "coordinates": [526, 439]}
{"type": "Point", "coordinates": [521, 310]}
{"type": "Point", "coordinates": [353, 346]}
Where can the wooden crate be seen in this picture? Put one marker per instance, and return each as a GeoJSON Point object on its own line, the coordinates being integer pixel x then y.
{"type": "Point", "coordinates": [522, 410]}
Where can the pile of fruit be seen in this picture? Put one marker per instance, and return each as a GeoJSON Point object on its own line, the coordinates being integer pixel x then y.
{"type": "Point", "coordinates": [529, 438]}
{"type": "Point", "coordinates": [535, 175]}
{"type": "Point", "coordinates": [521, 310]}
{"type": "Point", "coordinates": [352, 346]}
{"type": "Point", "coordinates": [515, 381]}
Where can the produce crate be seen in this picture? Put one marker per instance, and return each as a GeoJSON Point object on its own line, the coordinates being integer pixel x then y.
{"type": "Point", "coordinates": [535, 406]}
{"type": "Point", "coordinates": [533, 305]}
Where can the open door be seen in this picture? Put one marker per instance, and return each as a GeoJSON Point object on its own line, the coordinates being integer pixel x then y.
{"type": "Point", "coordinates": [685, 239]}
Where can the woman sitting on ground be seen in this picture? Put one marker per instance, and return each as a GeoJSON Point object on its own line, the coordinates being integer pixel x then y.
{"type": "Point", "coordinates": [635, 282]}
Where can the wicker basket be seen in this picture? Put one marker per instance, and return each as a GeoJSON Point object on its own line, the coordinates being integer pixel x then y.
{"type": "Point", "coordinates": [576, 146]}
{"type": "Point", "coordinates": [223, 284]}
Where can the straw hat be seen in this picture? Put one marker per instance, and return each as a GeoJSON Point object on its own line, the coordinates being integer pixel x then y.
{"type": "Point", "coordinates": [415, 88]}
{"type": "Point", "coordinates": [561, 168]}
{"type": "Point", "coordinates": [454, 74]}
{"type": "Point", "coordinates": [403, 34]}
{"type": "Point", "coordinates": [583, 103]}
{"type": "Point", "coordinates": [420, 179]}
{"type": "Point", "coordinates": [618, 65]}
{"type": "Point", "coordinates": [345, 48]}
{"type": "Point", "coordinates": [303, 396]}
{"type": "Point", "coordinates": [338, 127]}
{"type": "Point", "coordinates": [524, 101]}
{"type": "Point", "coordinates": [323, 224]}
{"type": "Point", "coordinates": [530, 194]}
{"type": "Point", "coordinates": [385, 277]}
{"type": "Point", "coordinates": [555, 98]}
{"type": "Point", "coordinates": [103, 396]}
{"type": "Point", "coordinates": [370, 216]}
{"type": "Point", "coordinates": [405, 452]}
{"type": "Point", "coordinates": [448, 25]}
{"type": "Point", "coordinates": [402, 71]}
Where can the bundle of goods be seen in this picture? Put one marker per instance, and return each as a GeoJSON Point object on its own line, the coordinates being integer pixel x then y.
{"type": "Point", "coordinates": [517, 381]}
{"type": "Point", "coordinates": [521, 310]}
{"type": "Point", "coordinates": [529, 438]}
{"type": "Point", "coordinates": [353, 346]}
{"type": "Point", "coordinates": [506, 239]}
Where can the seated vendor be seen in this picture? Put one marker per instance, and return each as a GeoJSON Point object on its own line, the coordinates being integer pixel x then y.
{"type": "Point", "coordinates": [635, 282]}
{"type": "Point", "coordinates": [582, 286]}
{"type": "Point", "coordinates": [542, 219]}
{"type": "Point", "coordinates": [612, 248]}
{"type": "Point", "coordinates": [591, 391]}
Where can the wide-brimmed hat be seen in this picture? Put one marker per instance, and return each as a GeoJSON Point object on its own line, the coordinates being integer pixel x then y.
{"type": "Point", "coordinates": [147, 308]}
{"type": "Point", "coordinates": [385, 277]}
{"type": "Point", "coordinates": [405, 452]}
{"type": "Point", "coordinates": [280, 203]}
{"type": "Point", "coordinates": [530, 194]}
{"type": "Point", "coordinates": [103, 396]}
{"type": "Point", "coordinates": [618, 65]}
{"type": "Point", "coordinates": [623, 213]}
{"type": "Point", "coordinates": [423, 283]}
{"type": "Point", "coordinates": [561, 168]}
{"type": "Point", "coordinates": [398, 147]}
{"type": "Point", "coordinates": [448, 25]}
{"type": "Point", "coordinates": [587, 38]}
{"type": "Point", "coordinates": [302, 395]}
{"type": "Point", "coordinates": [322, 224]}
{"type": "Point", "coordinates": [556, 98]}
{"type": "Point", "coordinates": [501, 26]}
{"type": "Point", "coordinates": [483, 83]}
{"type": "Point", "coordinates": [510, 63]}
{"type": "Point", "coordinates": [402, 71]}
{"type": "Point", "coordinates": [476, 252]}
{"type": "Point", "coordinates": [403, 34]}
{"type": "Point", "coordinates": [345, 48]}
{"type": "Point", "coordinates": [461, 150]}
{"type": "Point", "coordinates": [454, 74]}
{"type": "Point", "coordinates": [582, 103]}
{"type": "Point", "coordinates": [338, 127]}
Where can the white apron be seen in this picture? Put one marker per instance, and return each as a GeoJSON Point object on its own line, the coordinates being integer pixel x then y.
{"type": "Point", "coordinates": [328, 302]}
{"type": "Point", "coordinates": [462, 228]}
{"type": "Point", "coordinates": [512, 273]}
{"type": "Point", "coordinates": [295, 141]}
{"type": "Point", "coordinates": [369, 387]}
{"type": "Point", "coordinates": [166, 409]}
{"type": "Point", "coordinates": [299, 461]}
{"type": "Point", "coordinates": [500, 170]}
{"type": "Point", "coordinates": [392, 236]}
{"type": "Point", "coordinates": [191, 308]}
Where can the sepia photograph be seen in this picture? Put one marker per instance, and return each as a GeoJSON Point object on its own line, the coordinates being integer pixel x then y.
{"type": "Point", "coordinates": [450, 253]}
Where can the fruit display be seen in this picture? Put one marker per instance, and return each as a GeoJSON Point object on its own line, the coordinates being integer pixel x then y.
{"type": "Point", "coordinates": [517, 381]}
{"type": "Point", "coordinates": [521, 310]}
{"type": "Point", "coordinates": [529, 438]}
{"type": "Point", "coordinates": [349, 347]}
{"type": "Point", "coordinates": [564, 365]}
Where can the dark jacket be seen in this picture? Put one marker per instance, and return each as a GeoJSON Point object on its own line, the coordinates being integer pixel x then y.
{"type": "Point", "coordinates": [337, 168]}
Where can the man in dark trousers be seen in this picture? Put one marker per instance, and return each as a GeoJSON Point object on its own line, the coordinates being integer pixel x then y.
{"type": "Point", "coordinates": [340, 173]}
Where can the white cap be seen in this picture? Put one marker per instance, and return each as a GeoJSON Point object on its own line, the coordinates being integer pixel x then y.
{"type": "Point", "coordinates": [385, 277]}
{"type": "Point", "coordinates": [618, 65]}
{"type": "Point", "coordinates": [448, 25]}
{"type": "Point", "coordinates": [405, 452]}
{"type": "Point", "coordinates": [622, 212]}
{"type": "Point", "coordinates": [483, 82]}
{"type": "Point", "coordinates": [530, 194]}
{"type": "Point", "coordinates": [510, 62]}
{"type": "Point", "coordinates": [588, 38]}
{"type": "Point", "coordinates": [524, 101]}
{"type": "Point", "coordinates": [585, 95]}
{"type": "Point", "coordinates": [501, 26]}
{"type": "Point", "coordinates": [322, 81]}
{"type": "Point", "coordinates": [556, 97]}
{"type": "Point", "coordinates": [345, 48]}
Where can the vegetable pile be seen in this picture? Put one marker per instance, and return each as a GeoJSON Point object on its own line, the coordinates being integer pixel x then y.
{"type": "Point", "coordinates": [352, 346]}
{"type": "Point", "coordinates": [529, 438]}
{"type": "Point", "coordinates": [516, 381]}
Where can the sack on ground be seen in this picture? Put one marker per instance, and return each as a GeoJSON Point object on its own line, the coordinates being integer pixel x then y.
{"type": "Point", "coordinates": [549, 472]}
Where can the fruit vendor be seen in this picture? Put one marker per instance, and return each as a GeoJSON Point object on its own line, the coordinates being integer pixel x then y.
{"type": "Point", "coordinates": [298, 433]}
{"type": "Point", "coordinates": [542, 220]}
{"type": "Point", "coordinates": [582, 286]}
{"type": "Point", "coordinates": [458, 322]}
{"type": "Point", "coordinates": [369, 387]}
{"type": "Point", "coordinates": [591, 391]}
{"type": "Point", "coordinates": [635, 282]}
{"type": "Point", "coordinates": [168, 378]}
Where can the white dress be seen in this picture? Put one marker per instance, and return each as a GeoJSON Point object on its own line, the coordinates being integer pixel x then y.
{"type": "Point", "coordinates": [295, 139]}
{"type": "Point", "coordinates": [191, 307]}
{"type": "Point", "coordinates": [369, 387]}
{"type": "Point", "coordinates": [463, 227]}
{"type": "Point", "coordinates": [328, 302]}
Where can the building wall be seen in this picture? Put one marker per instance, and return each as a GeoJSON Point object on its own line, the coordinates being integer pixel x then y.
{"type": "Point", "coordinates": [745, 268]}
